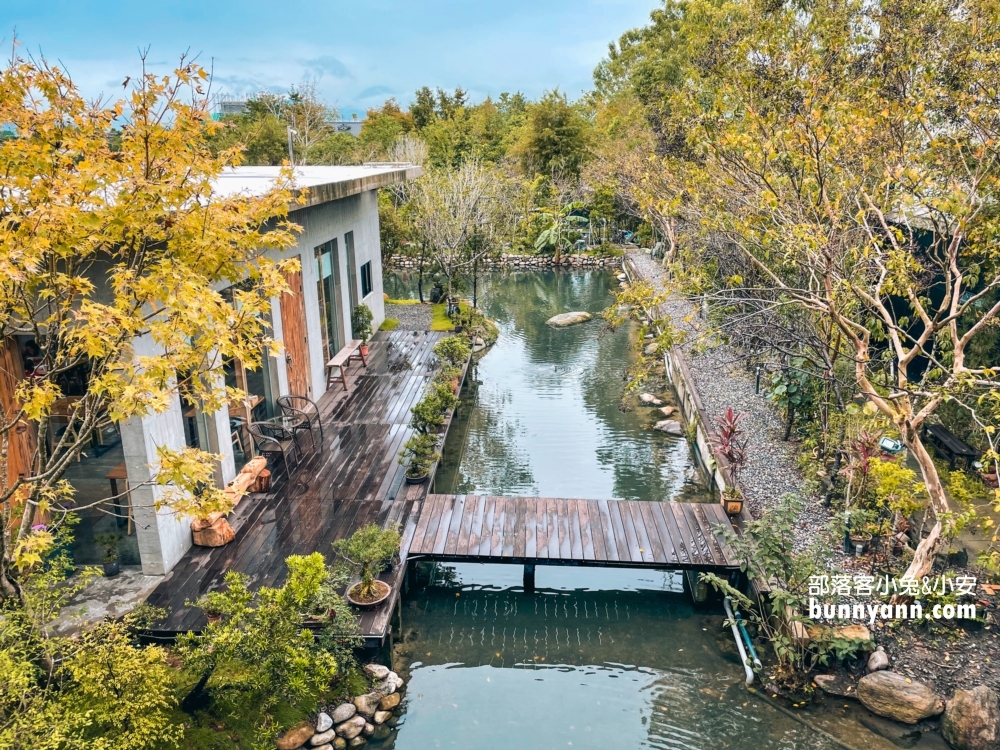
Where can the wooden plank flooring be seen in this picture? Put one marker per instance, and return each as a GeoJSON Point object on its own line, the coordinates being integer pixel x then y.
{"type": "Point", "coordinates": [352, 479]}
{"type": "Point", "coordinates": [477, 528]}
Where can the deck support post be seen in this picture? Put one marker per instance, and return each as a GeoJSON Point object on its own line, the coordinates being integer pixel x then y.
{"type": "Point", "coordinates": [529, 578]}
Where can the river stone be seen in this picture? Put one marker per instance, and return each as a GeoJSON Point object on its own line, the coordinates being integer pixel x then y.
{"type": "Point", "coordinates": [369, 730]}
{"type": "Point", "coordinates": [650, 349]}
{"type": "Point", "coordinates": [381, 716]}
{"type": "Point", "coordinates": [327, 746]}
{"type": "Point", "coordinates": [668, 411]}
{"type": "Point", "coordinates": [339, 744]}
{"type": "Point", "coordinates": [367, 703]}
{"type": "Point", "coordinates": [878, 661]}
{"type": "Point", "coordinates": [972, 719]}
{"type": "Point", "coordinates": [669, 426]}
{"type": "Point", "coordinates": [357, 742]}
{"type": "Point", "coordinates": [832, 684]}
{"type": "Point", "coordinates": [622, 277]}
{"type": "Point", "coordinates": [648, 399]}
{"type": "Point", "coordinates": [322, 738]}
{"type": "Point", "coordinates": [351, 728]}
{"type": "Point", "coordinates": [343, 712]}
{"type": "Point", "coordinates": [377, 671]}
{"type": "Point", "coordinates": [295, 737]}
{"type": "Point", "coordinates": [568, 319]}
{"type": "Point", "coordinates": [381, 732]}
{"type": "Point", "coordinates": [323, 722]}
{"type": "Point", "coordinates": [896, 697]}
{"type": "Point", "coordinates": [389, 702]}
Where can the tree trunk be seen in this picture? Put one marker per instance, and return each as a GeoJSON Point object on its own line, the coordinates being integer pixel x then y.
{"type": "Point", "coordinates": [420, 273]}
{"type": "Point", "coordinates": [475, 283]}
{"type": "Point", "coordinates": [789, 422]}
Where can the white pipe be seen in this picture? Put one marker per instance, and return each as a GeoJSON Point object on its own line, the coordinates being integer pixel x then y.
{"type": "Point", "coordinates": [739, 641]}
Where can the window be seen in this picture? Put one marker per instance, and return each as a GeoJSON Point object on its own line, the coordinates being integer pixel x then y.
{"type": "Point", "coordinates": [366, 279]}
{"type": "Point", "coordinates": [328, 292]}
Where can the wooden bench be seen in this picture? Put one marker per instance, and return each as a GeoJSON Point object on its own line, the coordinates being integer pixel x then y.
{"type": "Point", "coordinates": [336, 368]}
{"type": "Point", "coordinates": [948, 445]}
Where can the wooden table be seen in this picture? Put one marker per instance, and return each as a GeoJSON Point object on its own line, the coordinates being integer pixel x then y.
{"type": "Point", "coordinates": [340, 361]}
{"type": "Point", "coordinates": [949, 445]}
{"type": "Point", "coordinates": [116, 474]}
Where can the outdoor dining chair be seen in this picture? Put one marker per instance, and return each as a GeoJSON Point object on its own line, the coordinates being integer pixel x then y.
{"type": "Point", "coordinates": [300, 406]}
{"type": "Point", "coordinates": [273, 441]}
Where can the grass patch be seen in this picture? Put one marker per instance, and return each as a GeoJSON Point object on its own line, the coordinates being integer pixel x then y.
{"type": "Point", "coordinates": [389, 324]}
{"type": "Point", "coordinates": [439, 318]}
{"type": "Point", "coordinates": [402, 302]}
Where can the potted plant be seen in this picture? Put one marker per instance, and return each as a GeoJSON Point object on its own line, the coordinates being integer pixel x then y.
{"type": "Point", "coordinates": [454, 349]}
{"type": "Point", "coordinates": [451, 375]}
{"type": "Point", "coordinates": [731, 443]}
{"type": "Point", "coordinates": [366, 552]}
{"type": "Point", "coordinates": [109, 546]}
{"type": "Point", "coordinates": [445, 397]}
{"type": "Point", "coordinates": [428, 415]}
{"type": "Point", "coordinates": [420, 452]}
{"type": "Point", "coordinates": [361, 323]}
{"type": "Point", "coordinates": [213, 604]}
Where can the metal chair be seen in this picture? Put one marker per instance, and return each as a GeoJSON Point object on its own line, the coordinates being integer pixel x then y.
{"type": "Point", "coordinates": [272, 441]}
{"type": "Point", "coordinates": [300, 406]}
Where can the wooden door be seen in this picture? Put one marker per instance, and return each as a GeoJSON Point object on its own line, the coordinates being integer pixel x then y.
{"type": "Point", "coordinates": [293, 331]}
{"type": "Point", "coordinates": [21, 446]}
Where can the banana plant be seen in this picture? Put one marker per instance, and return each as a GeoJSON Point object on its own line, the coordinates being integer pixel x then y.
{"type": "Point", "coordinates": [558, 223]}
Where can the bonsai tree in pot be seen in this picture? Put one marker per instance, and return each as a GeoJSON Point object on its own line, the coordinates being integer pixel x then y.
{"type": "Point", "coordinates": [420, 452]}
{"type": "Point", "coordinates": [361, 324]}
{"type": "Point", "coordinates": [454, 350]}
{"type": "Point", "coordinates": [428, 414]}
{"type": "Point", "coordinates": [109, 547]}
{"type": "Point", "coordinates": [367, 553]}
{"type": "Point", "coordinates": [449, 374]}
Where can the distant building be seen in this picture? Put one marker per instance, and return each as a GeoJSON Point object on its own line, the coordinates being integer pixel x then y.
{"type": "Point", "coordinates": [348, 126]}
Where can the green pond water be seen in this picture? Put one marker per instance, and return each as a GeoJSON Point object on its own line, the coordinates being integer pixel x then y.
{"type": "Point", "coordinates": [594, 658]}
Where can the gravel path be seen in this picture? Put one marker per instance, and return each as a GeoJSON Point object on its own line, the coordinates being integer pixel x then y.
{"type": "Point", "coordinates": [722, 382]}
{"type": "Point", "coordinates": [410, 317]}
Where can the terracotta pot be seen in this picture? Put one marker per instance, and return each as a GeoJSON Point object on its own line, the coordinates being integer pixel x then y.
{"type": "Point", "coordinates": [214, 618]}
{"type": "Point", "coordinates": [384, 591]}
{"type": "Point", "coordinates": [364, 350]}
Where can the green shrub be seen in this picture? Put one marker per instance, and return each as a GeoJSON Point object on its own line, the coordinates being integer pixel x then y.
{"type": "Point", "coordinates": [420, 453]}
{"type": "Point", "coordinates": [454, 349]}
{"type": "Point", "coordinates": [368, 551]}
{"type": "Point", "coordinates": [361, 322]}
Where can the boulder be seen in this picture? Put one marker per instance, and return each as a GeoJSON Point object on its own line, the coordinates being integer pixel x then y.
{"type": "Point", "coordinates": [670, 426]}
{"type": "Point", "coordinates": [323, 722]}
{"type": "Point", "coordinates": [972, 719]}
{"type": "Point", "coordinates": [896, 697]}
{"type": "Point", "coordinates": [648, 399]}
{"type": "Point", "coordinates": [296, 737]}
{"type": "Point", "coordinates": [377, 671]}
{"type": "Point", "coordinates": [878, 661]}
{"type": "Point", "coordinates": [367, 704]}
{"type": "Point", "coordinates": [357, 742]}
{"type": "Point", "coordinates": [322, 738]}
{"type": "Point", "coordinates": [832, 684]}
{"type": "Point", "coordinates": [381, 716]}
{"type": "Point", "coordinates": [340, 744]}
{"type": "Point", "coordinates": [390, 684]}
{"type": "Point", "coordinates": [568, 319]}
{"type": "Point", "coordinates": [389, 702]}
{"type": "Point", "coordinates": [343, 712]}
{"type": "Point", "coordinates": [650, 349]}
{"type": "Point", "coordinates": [382, 732]}
{"type": "Point", "coordinates": [668, 411]}
{"type": "Point", "coordinates": [351, 728]}
{"type": "Point", "coordinates": [368, 730]}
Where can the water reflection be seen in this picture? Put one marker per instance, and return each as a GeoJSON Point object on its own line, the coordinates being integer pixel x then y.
{"type": "Point", "coordinates": [542, 416]}
{"type": "Point", "coordinates": [595, 658]}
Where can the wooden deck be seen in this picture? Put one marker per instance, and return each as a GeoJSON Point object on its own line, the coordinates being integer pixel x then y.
{"type": "Point", "coordinates": [352, 479]}
{"type": "Point", "coordinates": [556, 531]}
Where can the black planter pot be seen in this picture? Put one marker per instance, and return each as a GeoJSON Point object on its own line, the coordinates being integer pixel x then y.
{"type": "Point", "coordinates": [417, 480]}
{"type": "Point", "coordinates": [111, 569]}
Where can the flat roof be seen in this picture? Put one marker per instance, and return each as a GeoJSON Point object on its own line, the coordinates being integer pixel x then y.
{"type": "Point", "coordinates": [324, 184]}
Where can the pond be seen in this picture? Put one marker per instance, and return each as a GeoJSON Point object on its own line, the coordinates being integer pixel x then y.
{"type": "Point", "coordinates": [593, 658]}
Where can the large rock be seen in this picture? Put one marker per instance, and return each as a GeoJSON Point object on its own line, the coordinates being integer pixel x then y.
{"type": "Point", "coordinates": [650, 349]}
{"type": "Point", "coordinates": [367, 704]}
{"type": "Point", "coordinates": [648, 399]}
{"type": "Point", "coordinates": [568, 319]}
{"type": "Point", "coordinates": [390, 684]}
{"type": "Point", "coordinates": [377, 671]}
{"type": "Point", "coordinates": [322, 738]}
{"type": "Point", "coordinates": [896, 697]}
{"type": "Point", "coordinates": [833, 684]}
{"type": "Point", "coordinates": [381, 716]}
{"type": "Point", "coordinates": [296, 737]}
{"type": "Point", "coordinates": [339, 743]}
{"type": "Point", "coordinates": [668, 411]}
{"type": "Point", "coordinates": [972, 719]}
{"type": "Point", "coordinates": [343, 712]}
{"type": "Point", "coordinates": [357, 742]}
{"type": "Point", "coordinates": [389, 702]}
{"type": "Point", "coordinates": [670, 426]}
{"type": "Point", "coordinates": [368, 730]}
{"type": "Point", "coordinates": [351, 728]}
{"type": "Point", "coordinates": [323, 722]}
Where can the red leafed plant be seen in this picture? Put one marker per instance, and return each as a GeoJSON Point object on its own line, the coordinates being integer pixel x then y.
{"type": "Point", "coordinates": [731, 443]}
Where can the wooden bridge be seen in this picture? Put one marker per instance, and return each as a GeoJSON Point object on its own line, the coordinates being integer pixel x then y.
{"type": "Point", "coordinates": [557, 531]}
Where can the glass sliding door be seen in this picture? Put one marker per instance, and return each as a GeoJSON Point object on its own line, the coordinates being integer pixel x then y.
{"type": "Point", "coordinates": [330, 300]}
{"type": "Point", "coordinates": [352, 281]}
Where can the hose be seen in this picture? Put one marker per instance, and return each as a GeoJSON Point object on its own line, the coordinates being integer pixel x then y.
{"type": "Point", "coordinates": [746, 638]}
{"type": "Point", "coordinates": [739, 640]}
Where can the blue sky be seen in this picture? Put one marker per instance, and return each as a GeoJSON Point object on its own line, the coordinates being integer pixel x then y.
{"type": "Point", "coordinates": [359, 53]}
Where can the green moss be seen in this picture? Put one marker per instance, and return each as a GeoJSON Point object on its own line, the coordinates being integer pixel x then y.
{"type": "Point", "coordinates": [439, 318]}
{"type": "Point", "coordinates": [402, 302]}
{"type": "Point", "coordinates": [389, 324]}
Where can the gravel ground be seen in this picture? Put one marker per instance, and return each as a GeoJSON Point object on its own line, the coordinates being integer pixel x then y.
{"type": "Point", "coordinates": [410, 317]}
{"type": "Point", "coordinates": [722, 382]}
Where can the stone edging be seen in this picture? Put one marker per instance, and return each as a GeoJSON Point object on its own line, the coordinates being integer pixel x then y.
{"type": "Point", "coordinates": [573, 260]}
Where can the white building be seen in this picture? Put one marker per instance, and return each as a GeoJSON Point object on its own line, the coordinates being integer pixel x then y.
{"type": "Point", "coordinates": [341, 266]}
